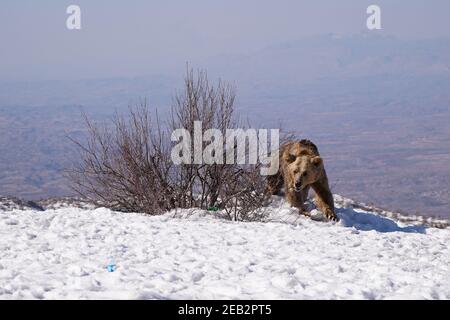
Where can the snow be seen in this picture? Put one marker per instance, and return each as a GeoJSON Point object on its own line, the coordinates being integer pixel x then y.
{"type": "Point", "coordinates": [63, 253]}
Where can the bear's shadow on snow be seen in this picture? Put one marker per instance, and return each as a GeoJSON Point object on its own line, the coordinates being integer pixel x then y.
{"type": "Point", "coordinates": [366, 221]}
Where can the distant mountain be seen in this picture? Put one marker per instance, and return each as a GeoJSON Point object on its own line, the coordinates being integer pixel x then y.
{"type": "Point", "coordinates": [282, 69]}
{"type": "Point", "coordinates": [311, 59]}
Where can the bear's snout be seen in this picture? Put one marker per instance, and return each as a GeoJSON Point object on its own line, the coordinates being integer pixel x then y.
{"type": "Point", "coordinates": [298, 184]}
{"type": "Point", "coordinates": [299, 181]}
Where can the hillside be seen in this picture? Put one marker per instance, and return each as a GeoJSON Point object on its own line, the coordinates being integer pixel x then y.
{"type": "Point", "coordinates": [62, 252]}
{"type": "Point", "coordinates": [377, 107]}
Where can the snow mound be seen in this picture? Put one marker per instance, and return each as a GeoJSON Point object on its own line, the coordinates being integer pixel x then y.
{"type": "Point", "coordinates": [63, 253]}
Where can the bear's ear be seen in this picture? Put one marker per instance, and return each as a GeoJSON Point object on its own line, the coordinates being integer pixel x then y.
{"type": "Point", "coordinates": [316, 161]}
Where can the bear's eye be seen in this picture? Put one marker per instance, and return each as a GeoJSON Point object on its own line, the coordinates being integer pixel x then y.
{"type": "Point", "coordinates": [291, 158]}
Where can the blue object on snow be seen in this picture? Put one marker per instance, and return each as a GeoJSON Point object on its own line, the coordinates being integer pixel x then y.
{"type": "Point", "coordinates": [111, 267]}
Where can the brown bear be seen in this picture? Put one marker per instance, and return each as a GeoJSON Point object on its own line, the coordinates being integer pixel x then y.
{"type": "Point", "coordinates": [301, 167]}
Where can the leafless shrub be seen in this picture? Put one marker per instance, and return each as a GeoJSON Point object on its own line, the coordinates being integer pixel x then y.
{"type": "Point", "coordinates": [244, 196]}
{"type": "Point", "coordinates": [128, 166]}
{"type": "Point", "coordinates": [125, 166]}
{"type": "Point", "coordinates": [214, 107]}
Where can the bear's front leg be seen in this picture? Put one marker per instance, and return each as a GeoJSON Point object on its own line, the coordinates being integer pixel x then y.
{"type": "Point", "coordinates": [297, 201]}
{"type": "Point", "coordinates": [324, 199]}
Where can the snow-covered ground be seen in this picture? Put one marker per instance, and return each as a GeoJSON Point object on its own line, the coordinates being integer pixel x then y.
{"type": "Point", "coordinates": [62, 254]}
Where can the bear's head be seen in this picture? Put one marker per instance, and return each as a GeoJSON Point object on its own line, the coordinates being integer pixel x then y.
{"type": "Point", "coordinates": [302, 168]}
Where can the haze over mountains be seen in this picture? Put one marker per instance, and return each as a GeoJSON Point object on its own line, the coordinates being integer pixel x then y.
{"type": "Point", "coordinates": [378, 107]}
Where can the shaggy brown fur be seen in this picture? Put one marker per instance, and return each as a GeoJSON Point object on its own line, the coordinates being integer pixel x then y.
{"type": "Point", "coordinates": [302, 168]}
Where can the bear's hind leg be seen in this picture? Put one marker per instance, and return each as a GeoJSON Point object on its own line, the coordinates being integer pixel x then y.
{"type": "Point", "coordinates": [275, 183]}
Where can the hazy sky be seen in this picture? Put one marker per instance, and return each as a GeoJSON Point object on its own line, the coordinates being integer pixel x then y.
{"type": "Point", "coordinates": [138, 37]}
